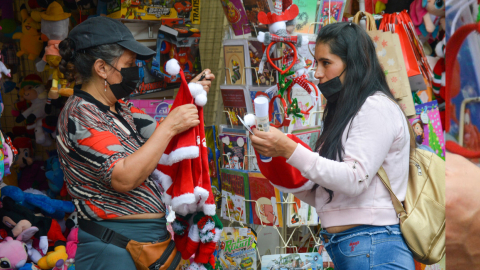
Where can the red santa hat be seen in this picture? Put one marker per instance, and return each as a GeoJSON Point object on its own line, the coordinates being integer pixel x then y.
{"type": "Point", "coordinates": [280, 13]}
{"type": "Point", "coordinates": [182, 170]}
{"type": "Point", "coordinates": [284, 176]}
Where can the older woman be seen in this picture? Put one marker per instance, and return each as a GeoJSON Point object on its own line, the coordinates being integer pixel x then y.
{"type": "Point", "coordinates": [108, 148]}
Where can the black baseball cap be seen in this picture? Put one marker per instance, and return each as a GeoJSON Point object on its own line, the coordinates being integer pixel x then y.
{"type": "Point", "coordinates": [103, 30]}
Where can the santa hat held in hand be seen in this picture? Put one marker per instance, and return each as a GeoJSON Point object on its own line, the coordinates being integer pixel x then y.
{"type": "Point", "coordinates": [282, 175]}
{"type": "Point", "coordinates": [182, 170]}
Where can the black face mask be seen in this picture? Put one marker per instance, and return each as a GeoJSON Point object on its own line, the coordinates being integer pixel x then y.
{"type": "Point", "coordinates": [331, 89]}
{"type": "Point", "coordinates": [130, 82]}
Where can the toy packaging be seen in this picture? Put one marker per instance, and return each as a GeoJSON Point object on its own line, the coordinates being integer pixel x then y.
{"type": "Point", "coordinates": [427, 127]}
{"type": "Point", "coordinates": [170, 10]}
{"type": "Point", "coordinates": [235, 190]}
{"type": "Point", "coordinates": [236, 16]}
{"type": "Point", "coordinates": [179, 42]}
{"type": "Point", "coordinates": [156, 108]}
{"type": "Point", "coordinates": [300, 213]}
{"type": "Point", "coordinates": [266, 207]}
{"type": "Point", "coordinates": [237, 249]}
{"type": "Point", "coordinates": [310, 261]}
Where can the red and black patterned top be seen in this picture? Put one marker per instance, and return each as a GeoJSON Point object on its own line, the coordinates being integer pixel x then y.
{"type": "Point", "coordinates": [91, 140]}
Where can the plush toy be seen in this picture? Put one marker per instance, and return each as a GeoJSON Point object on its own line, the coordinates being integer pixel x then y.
{"type": "Point", "coordinates": [32, 90]}
{"type": "Point", "coordinates": [13, 254]}
{"type": "Point", "coordinates": [54, 259]}
{"type": "Point", "coordinates": [34, 199]}
{"type": "Point", "coordinates": [25, 151]}
{"type": "Point", "coordinates": [72, 242]}
{"type": "Point", "coordinates": [30, 39]}
{"type": "Point", "coordinates": [55, 29]}
{"type": "Point", "coordinates": [54, 175]}
{"type": "Point", "coordinates": [50, 233]}
{"type": "Point", "coordinates": [428, 16]}
{"type": "Point", "coordinates": [439, 77]}
{"type": "Point", "coordinates": [4, 70]}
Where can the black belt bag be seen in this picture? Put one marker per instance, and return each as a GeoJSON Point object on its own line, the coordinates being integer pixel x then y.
{"type": "Point", "coordinates": [160, 255]}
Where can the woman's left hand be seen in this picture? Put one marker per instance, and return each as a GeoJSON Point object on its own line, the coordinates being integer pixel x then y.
{"type": "Point", "coordinates": [207, 82]}
{"type": "Point", "coordinates": [273, 143]}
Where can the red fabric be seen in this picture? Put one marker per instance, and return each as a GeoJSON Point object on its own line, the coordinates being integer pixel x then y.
{"type": "Point", "coordinates": [289, 14]}
{"type": "Point", "coordinates": [55, 233]}
{"type": "Point", "coordinates": [282, 174]}
{"type": "Point", "coordinates": [181, 242]}
{"type": "Point", "coordinates": [205, 252]}
{"type": "Point", "coordinates": [190, 172]}
{"type": "Point", "coordinates": [191, 248]}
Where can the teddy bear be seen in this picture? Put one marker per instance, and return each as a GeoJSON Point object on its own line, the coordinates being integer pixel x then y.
{"type": "Point", "coordinates": [54, 29]}
{"type": "Point", "coordinates": [30, 39]}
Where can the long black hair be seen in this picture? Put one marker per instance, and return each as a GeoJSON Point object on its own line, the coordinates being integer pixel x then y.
{"type": "Point", "coordinates": [363, 77]}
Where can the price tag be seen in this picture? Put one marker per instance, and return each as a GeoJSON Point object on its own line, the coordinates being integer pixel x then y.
{"type": "Point", "coordinates": [424, 117]}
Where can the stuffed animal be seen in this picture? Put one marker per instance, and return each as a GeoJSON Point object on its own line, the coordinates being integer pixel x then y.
{"type": "Point", "coordinates": [25, 151]}
{"type": "Point", "coordinates": [428, 16]}
{"type": "Point", "coordinates": [13, 254]}
{"type": "Point", "coordinates": [4, 70]}
{"type": "Point", "coordinates": [54, 259]}
{"type": "Point", "coordinates": [55, 29]}
{"type": "Point", "coordinates": [72, 242]}
{"type": "Point", "coordinates": [32, 90]}
{"type": "Point", "coordinates": [50, 233]}
{"type": "Point", "coordinates": [54, 175]}
{"type": "Point", "coordinates": [34, 199]}
{"type": "Point", "coordinates": [30, 39]}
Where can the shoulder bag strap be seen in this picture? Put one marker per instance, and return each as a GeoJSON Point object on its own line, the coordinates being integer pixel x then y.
{"type": "Point", "coordinates": [384, 177]}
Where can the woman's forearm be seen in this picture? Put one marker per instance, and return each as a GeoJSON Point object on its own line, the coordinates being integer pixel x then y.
{"type": "Point", "coordinates": [133, 170]}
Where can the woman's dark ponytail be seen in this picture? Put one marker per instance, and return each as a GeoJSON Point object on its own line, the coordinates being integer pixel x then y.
{"type": "Point", "coordinates": [67, 52]}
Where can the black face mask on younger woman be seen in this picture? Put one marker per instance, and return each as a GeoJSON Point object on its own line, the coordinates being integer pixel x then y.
{"type": "Point", "coordinates": [130, 81]}
{"type": "Point", "coordinates": [331, 89]}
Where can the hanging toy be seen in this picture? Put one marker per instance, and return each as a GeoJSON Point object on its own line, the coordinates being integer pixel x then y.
{"type": "Point", "coordinates": [30, 39]}
{"type": "Point", "coordinates": [54, 29]}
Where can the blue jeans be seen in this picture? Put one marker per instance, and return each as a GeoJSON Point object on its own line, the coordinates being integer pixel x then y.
{"type": "Point", "coordinates": [369, 247]}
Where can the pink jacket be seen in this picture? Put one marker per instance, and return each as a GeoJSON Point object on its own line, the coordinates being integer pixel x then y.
{"type": "Point", "coordinates": [378, 137]}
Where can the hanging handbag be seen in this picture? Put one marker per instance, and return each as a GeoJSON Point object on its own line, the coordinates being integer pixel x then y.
{"type": "Point", "coordinates": [160, 255]}
{"type": "Point", "coordinates": [422, 215]}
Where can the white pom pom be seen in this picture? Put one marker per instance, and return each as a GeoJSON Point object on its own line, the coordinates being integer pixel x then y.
{"type": "Point", "coordinates": [172, 67]}
{"type": "Point", "coordinates": [249, 119]}
{"type": "Point", "coordinates": [195, 89]}
{"type": "Point", "coordinates": [201, 100]}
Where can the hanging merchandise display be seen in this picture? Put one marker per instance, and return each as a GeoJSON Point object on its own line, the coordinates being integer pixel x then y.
{"type": "Point", "coordinates": [225, 205]}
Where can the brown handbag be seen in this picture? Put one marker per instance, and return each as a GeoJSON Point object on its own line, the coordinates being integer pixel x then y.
{"type": "Point", "coordinates": [159, 255]}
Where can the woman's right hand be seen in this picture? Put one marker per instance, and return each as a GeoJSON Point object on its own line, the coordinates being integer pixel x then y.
{"type": "Point", "coordinates": [182, 118]}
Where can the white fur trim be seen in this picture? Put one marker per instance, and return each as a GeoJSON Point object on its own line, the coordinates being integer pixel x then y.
{"type": "Point", "coordinates": [208, 227]}
{"type": "Point", "coordinates": [193, 233]}
{"type": "Point", "coordinates": [167, 199]}
{"type": "Point", "coordinates": [164, 180]}
{"type": "Point", "coordinates": [172, 67]}
{"type": "Point", "coordinates": [201, 195]}
{"type": "Point", "coordinates": [177, 202]}
{"type": "Point", "coordinates": [188, 152]}
{"type": "Point", "coordinates": [307, 186]}
{"type": "Point", "coordinates": [218, 234]}
{"type": "Point", "coordinates": [209, 209]}
{"type": "Point", "coordinates": [206, 237]}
